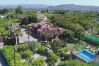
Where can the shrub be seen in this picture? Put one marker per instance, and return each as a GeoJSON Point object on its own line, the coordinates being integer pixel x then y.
{"type": "Point", "coordinates": [38, 62]}
{"type": "Point", "coordinates": [26, 54]}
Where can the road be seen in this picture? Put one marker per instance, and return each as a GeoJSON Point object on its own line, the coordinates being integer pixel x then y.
{"type": "Point", "coordinates": [2, 61]}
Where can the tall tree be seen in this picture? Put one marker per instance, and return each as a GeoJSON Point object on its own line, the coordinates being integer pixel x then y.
{"type": "Point", "coordinates": [18, 10]}
{"type": "Point", "coordinates": [3, 11]}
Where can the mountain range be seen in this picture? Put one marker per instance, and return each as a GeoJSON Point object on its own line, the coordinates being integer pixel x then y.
{"type": "Point", "coordinates": [72, 7]}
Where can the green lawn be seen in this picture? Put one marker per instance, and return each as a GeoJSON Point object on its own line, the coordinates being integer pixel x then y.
{"type": "Point", "coordinates": [70, 45]}
{"type": "Point", "coordinates": [77, 47]}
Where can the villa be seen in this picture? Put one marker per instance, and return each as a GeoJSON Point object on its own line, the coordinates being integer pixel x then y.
{"type": "Point", "coordinates": [43, 28]}
{"type": "Point", "coordinates": [21, 16]}
{"type": "Point", "coordinates": [53, 32]}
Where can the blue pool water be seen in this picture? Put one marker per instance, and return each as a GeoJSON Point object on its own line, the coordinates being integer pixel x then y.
{"type": "Point", "coordinates": [86, 55]}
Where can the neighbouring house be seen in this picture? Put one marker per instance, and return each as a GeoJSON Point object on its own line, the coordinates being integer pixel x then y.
{"type": "Point", "coordinates": [40, 16]}
{"type": "Point", "coordinates": [21, 16]}
{"type": "Point", "coordinates": [2, 16]}
{"type": "Point", "coordinates": [1, 42]}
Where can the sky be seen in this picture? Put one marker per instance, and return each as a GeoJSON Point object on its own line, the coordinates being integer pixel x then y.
{"type": "Point", "coordinates": [51, 2]}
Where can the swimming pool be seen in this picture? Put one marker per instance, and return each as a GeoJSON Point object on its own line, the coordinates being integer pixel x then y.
{"type": "Point", "coordinates": [86, 55]}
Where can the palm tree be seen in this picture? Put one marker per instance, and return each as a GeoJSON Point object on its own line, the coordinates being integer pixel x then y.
{"type": "Point", "coordinates": [28, 31]}
{"type": "Point", "coordinates": [15, 31]}
{"type": "Point", "coordinates": [46, 36]}
{"type": "Point", "coordinates": [93, 27]}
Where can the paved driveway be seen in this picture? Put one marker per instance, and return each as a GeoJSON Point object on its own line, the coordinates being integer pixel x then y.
{"type": "Point", "coordinates": [24, 37]}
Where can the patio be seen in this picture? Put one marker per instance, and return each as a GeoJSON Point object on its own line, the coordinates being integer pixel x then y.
{"type": "Point", "coordinates": [25, 37]}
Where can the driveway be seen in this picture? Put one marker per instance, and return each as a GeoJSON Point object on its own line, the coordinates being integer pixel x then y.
{"type": "Point", "coordinates": [24, 38]}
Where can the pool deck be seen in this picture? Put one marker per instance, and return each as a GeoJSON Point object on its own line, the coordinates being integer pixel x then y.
{"type": "Point", "coordinates": [97, 59]}
{"type": "Point", "coordinates": [84, 59]}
